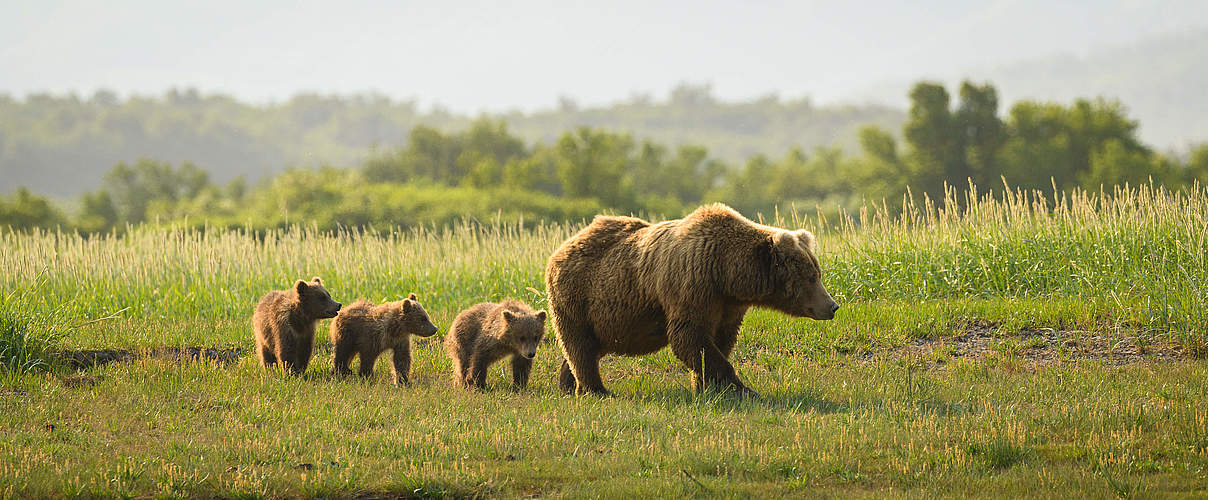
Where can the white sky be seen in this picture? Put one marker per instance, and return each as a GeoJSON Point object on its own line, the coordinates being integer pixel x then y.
{"type": "Point", "coordinates": [494, 56]}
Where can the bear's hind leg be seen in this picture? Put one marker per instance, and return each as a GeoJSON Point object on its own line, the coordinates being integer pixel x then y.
{"type": "Point", "coordinates": [303, 353]}
{"type": "Point", "coordinates": [459, 373]}
{"type": "Point", "coordinates": [566, 378]}
{"type": "Point", "coordinates": [266, 355]}
{"type": "Point", "coordinates": [367, 361]}
{"type": "Point", "coordinates": [342, 358]}
{"type": "Point", "coordinates": [286, 354]}
{"type": "Point", "coordinates": [694, 345]}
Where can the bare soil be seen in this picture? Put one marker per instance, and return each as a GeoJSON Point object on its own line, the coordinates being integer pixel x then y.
{"type": "Point", "coordinates": [89, 358]}
{"type": "Point", "coordinates": [1039, 346]}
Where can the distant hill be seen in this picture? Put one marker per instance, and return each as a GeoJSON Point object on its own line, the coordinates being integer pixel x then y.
{"type": "Point", "coordinates": [63, 145]}
{"type": "Point", "coordinates": [1160, 80]}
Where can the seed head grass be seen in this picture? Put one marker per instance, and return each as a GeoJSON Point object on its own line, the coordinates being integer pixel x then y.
{"type": "Point", "coordinates": [833, 420]}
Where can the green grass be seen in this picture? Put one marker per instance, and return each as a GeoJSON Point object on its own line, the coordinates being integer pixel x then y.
{"type": "Point", "coordinates": [152, 428]}
{"type": "Point", "coordinates": [30, 338]}
{"type": "Point", "coordinates": [1135, 259]}
{"type": "Point", "coordinates": [1126, 264]}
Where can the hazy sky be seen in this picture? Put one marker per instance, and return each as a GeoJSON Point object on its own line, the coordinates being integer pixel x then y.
{"type": "Point", "coordinates": [473, 56]}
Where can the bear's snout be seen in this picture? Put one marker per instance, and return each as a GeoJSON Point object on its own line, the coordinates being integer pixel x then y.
{"type": "Point", "coordinates": [827, 312]}
{"type": "Point", "coordinates": [430, 331]}
{"type": "Point", "coordinates": [334, 311]}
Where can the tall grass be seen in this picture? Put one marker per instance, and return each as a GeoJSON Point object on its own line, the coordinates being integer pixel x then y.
{"type": "Point", "coordinates": [1136, 256]}
{"type": "Point", "coordinates": [1129, 259]}
{"type": "Point", "coordinates": [30, 336]}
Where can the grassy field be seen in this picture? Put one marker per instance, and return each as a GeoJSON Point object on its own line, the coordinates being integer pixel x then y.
{"type": "Point", "coordinates": [851, 407]}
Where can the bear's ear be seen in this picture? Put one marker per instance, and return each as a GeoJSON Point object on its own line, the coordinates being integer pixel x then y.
{"type": "Point", "coordinates": [317, 280]}
{"type": "Point", "coordinates": [412, 297]}
{"type": "Point", "coordinates": [408, 305]}
{"type": "Point", "coordinates": [508, 316]}
{"type": "Point", "coordinates": [786, 242]}
{"type": "Point", "coordinates": [540, 315]}
{"type": "Point", "coordinates": [807, 239]}
{"type": "Point", "coordinates": [300, 287]}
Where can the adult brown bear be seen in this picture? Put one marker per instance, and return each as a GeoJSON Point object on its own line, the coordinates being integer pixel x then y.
{"type": "Point", "coordinates": [625, 286]}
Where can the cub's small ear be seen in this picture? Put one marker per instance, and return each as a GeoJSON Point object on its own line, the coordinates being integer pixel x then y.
{"type": "Point", "coordinates": [540, 315]}
{"type": "Point", "coordinates": [408, 305]}
{"type": "Point", "coordinates": [412, 297]}
{"type": "Point", "coordinates": [807, 239]}
{"type": "Point", "coordinates": [508, 316]}
{"type": "Point", "coordinates": [317, 280]}
{"type": "Point", "coordinates": [300, 287]}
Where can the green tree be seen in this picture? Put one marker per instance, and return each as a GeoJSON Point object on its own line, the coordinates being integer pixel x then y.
{"type": "Point", "coordinates": [25, 210]}
{"type": "Point", "coordinates": [880, 173]}
{"type": "Point", "coordinates": [931, 133]}
{"type": "Point", "coordinates": [1090, 143]}
{"type": "Point", "coordinates": [683, 179]}
{"type": "Point", "coordinates": [981, 133]}
{"type": "Point", "coordinates": [1197, 166]}
{"type": "Point", "coordinates": [98, 212]}
{"type": "Point", "coordinates": [537, 172]}
{"type": "Point", "coordinates": [596, 164]}
{"type": "Point", "coordinates": [748, 189]}
{"type": "Point", "coordinates": [136, 189]}
{"type": "Point", "coordinates": [1038, 150]}
{"type": "Point", "coordinates": [1113, 163]}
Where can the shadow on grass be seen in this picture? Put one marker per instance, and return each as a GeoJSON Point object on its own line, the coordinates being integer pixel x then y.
{"type": "Point", "coordinates": [86, 359]}
{"type": "Point", "coordinates": [809, 401]}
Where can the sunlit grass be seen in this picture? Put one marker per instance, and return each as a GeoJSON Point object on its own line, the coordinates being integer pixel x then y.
{"type": "Point", "coordinates": [1133, 258]}
{"type": "Point", "coordinates": [1128, 263]}
{"type": "Point", "coordinates": [157, 428]}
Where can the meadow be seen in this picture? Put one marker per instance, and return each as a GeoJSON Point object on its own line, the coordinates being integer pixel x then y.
{"type": "Point", "coordinates": [879, 402]}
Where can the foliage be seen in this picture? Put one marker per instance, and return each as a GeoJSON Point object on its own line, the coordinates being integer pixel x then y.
{"type": "Point", "coordinates": [64, 144]}
{"type": "Point", "coordinates": [25, 210]}
{"type": "Point", "coordinates": [486, 172]}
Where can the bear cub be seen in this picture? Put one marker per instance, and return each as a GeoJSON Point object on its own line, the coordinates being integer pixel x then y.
{"type": "Point", "coordinates": [486, 332]}
{"type": "Point", "coordinates": [367, 330]}
{"type": "Point", "coordinates": [284, 324]}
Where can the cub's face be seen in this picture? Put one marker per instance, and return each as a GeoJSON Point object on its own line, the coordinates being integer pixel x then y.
{"type": "Point", "coordinates": [524, 331]}
{"type": "Point", "coordinates": [797, 277]}
{"type": "Point", "coordinates": [315, 299]}
{"type": "Point", "coordinates": [414, 319]}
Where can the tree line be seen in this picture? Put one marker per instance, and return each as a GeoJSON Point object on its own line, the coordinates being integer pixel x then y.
{"type": "Point", "coordinates": [62, 145]}
{"type": "Point", "coordinates": [486, 172]}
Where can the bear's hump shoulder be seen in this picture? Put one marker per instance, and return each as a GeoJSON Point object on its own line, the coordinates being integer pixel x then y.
{"type": "Point", "coordinates": [618, 222]}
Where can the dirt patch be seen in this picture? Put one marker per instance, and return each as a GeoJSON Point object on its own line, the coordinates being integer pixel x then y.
{"type": "Point", "coordinates": [12, 392]}
{"type": "Point", "coordinates": [89, 358]}
{"type": "Point", "coordinates": [81, 381]}
{"type": "Point", "coordinates": [1039, 346]}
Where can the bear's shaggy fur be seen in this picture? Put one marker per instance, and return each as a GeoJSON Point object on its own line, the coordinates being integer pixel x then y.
{"type": "Point", "coordinates": [625, 286]}
{"type": "Point", "coordinates": [486, 332]}
{"type": "Point", "coordinates": [284, 324]}
{"type": "Point", "coordinates": [365, 329]}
